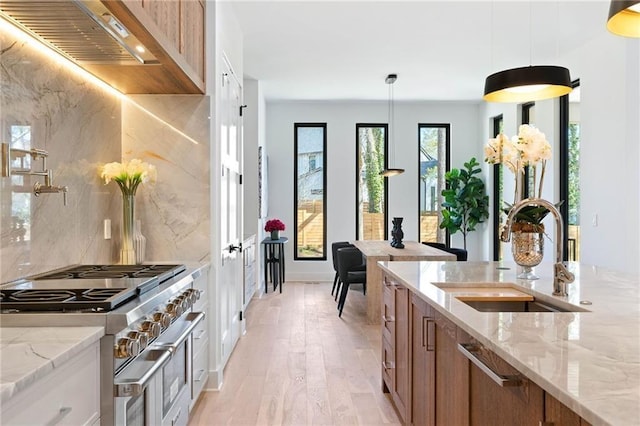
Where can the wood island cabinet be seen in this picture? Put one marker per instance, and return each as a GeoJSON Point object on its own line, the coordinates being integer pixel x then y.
{"type": "Point", "coordinates": [499, 394]}
{"type": "Point", "coordinates": [423, 334]}
{"type": "Point", "coordinates": [451, 374]}
{"type": "Point", "coordinates": [395, 353]}
{"type": "Point", "coordinates": [558, 414]}
{"type": "Point", "coordinates": [438, 374]}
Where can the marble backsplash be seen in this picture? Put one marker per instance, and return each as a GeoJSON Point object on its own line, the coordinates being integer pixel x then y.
{"type": "Point", "coordinates": [45, 105]}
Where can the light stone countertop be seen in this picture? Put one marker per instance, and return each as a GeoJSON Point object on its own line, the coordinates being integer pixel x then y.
{"type": "Point", "coordinates": [589, 361]}
{"type": "Point", "coordinates": [27, 354]}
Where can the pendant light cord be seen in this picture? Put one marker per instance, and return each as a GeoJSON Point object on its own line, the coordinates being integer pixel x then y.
{"type": "Point", "coordinates": [392, 133]}
{"type": "Point", "coordinates": [530, 35]}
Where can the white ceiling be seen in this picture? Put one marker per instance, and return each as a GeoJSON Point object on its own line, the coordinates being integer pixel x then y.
{"type": "Point", "coordinates": [441, 50]}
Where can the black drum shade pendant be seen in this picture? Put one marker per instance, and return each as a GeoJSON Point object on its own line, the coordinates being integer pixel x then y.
{"type": "Point", "coordinates": [525, 84]}
{"type": "Point", "coordinates": [391, 171]}
{"type": "Point", "coordinates": [624, 18]}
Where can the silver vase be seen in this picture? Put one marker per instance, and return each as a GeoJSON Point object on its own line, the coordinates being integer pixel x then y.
{"type": "Point", "coordinates": [528, 250]}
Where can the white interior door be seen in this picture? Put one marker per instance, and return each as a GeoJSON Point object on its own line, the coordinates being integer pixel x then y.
{"type": "Point", "coordinates": [231, 287]}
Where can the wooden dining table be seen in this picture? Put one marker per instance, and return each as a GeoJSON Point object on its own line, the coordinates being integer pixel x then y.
{"type": "Point", "coordinates": [378, 250]}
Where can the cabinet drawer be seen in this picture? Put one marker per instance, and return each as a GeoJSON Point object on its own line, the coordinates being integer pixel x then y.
{"type": "Point", "coordinates": [388, 364]}
{"type": "Point", "coordinates": [69, 395]}
{"type": "Point", "coordinates": [200, 373]}
{"type": "Point", "coordinates": [200, 335]}
{"type": "Point", "coordinates": [388, 314]}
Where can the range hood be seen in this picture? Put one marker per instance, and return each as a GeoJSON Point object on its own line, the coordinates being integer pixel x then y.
{"type": "Point", "coordinates": [84, 31]}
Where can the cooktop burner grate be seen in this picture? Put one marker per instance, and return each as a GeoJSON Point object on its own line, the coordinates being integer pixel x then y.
{"type": "Point", "coordinates": [61, 300]}
{"type": "Point", "coordinates": [163, 272]}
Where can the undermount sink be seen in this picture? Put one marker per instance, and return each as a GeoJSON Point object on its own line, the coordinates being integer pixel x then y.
{"type": "Point", "coordinates": [519, 306]}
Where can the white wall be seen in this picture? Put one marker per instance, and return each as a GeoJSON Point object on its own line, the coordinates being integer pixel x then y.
{"type": "Point", "coordinates": [341, 119]}
{"type": "Point", "coordinates": [610, 121]}
{"type": "Point", "coordinates": [254, 137]}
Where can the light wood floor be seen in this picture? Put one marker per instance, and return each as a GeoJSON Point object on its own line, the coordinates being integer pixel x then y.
{"type": "Point", "coordinates": [299, 364]}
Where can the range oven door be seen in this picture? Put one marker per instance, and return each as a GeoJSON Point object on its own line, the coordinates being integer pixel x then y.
{"type": "Point", "coordinates": [176, 373]}
{"type": "Point", "coordinates": [137, 389]}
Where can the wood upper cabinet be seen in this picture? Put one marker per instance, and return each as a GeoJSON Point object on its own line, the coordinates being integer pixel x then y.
{"type": "Point", "coordinates": [192, 35]}
{"type": "Point", "coordinates": [174, 32]}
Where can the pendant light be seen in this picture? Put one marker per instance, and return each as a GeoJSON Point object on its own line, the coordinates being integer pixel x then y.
{"type": "Point", "coordinates": [624, 18]}
{"type": "Point", "coordinates": [525, 84]}
{"type": "Point", "coordinates": [390, 171]}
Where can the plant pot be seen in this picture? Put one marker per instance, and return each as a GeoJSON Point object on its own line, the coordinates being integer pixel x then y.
{"type": "Point", "coordinates": [528, 250]}
{"type": "Point", "coordinates": [275, 235]}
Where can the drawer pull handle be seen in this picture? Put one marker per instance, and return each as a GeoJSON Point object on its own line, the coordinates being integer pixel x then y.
{"type": "Point", "coordinates": [388, 319]}
{"type": "Point", "coordinates": [470, 351]}
{"type": "Point", "coordinates": [200, 376]}
{"type": "Point", "coordinates": [64, 412]}
{"type": "Point", "coordinates": [388, 365]}
{"type": "Point", "coordinates": [174, 421]}
{"type": "Point", "coordinates": [200, 334]}
{"type": "Point", "coordinates": [428, 334]}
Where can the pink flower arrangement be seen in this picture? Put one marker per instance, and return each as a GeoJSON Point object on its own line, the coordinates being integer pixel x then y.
{"type": "Point", "coordinates": [274, 225]}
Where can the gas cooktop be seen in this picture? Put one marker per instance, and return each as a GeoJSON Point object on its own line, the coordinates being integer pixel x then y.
{"type": "Point", "coordinates": [162, 272]}
{"type": "Point", "coordinates": [84, 287]}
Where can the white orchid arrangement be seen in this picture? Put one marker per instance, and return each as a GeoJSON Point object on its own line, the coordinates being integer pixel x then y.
{"type": "Point", "coordinates": [128, 175]}
{"type": "Point", "coordinates": [528, 148]}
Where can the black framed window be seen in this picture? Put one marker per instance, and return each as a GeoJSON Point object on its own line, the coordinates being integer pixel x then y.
{"type": "Point", "coordinates": [434, 141]}
{"type": "Point", "coordinates": [371, 188]}
{"type": "Point", "coordinates": [310, 195]}
{"type": "Point", "coordinates": [569, 156]}
{"type": "Point", "coordinates": [498, 192]}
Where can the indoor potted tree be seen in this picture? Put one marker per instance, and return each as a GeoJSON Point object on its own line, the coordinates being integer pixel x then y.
{"type": "Point", "coordinates": [466, 203]}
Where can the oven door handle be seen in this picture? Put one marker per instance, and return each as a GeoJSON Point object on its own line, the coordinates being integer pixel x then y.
{"type": "Point", "coordinates": [184, 328]}
{"type": "Point", "coordinates": [133, 380]}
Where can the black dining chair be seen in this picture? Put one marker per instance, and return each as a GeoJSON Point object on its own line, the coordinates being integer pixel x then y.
{"type": "Point", "coordinates": [334, 251]}
{"type": "Point", "coordinates": [461, 254]}
{"type": "Point", "coordinates": [350, 271]}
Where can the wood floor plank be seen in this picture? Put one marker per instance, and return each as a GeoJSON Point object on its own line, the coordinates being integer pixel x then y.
{"type": "Point", "coordinates": [299, 364]}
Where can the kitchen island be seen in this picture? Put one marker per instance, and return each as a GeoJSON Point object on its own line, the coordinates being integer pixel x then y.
{"type": "Point", "coordinates": [375, 251]}
{"type": "Point", "coordinates": [588, 359]}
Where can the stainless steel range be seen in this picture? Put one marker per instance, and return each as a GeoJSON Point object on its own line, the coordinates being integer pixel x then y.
{"type": "Point", "coordinates": [145, 354]}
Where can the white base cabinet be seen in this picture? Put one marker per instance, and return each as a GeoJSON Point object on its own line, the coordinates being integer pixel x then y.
{"type": "Point", "coordinates": [200, 336]}
{"type": "Point", "coordinates": [69, 395]}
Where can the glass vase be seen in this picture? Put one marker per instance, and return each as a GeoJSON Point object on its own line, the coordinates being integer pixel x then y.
{"type": "Point", "coordinates": [528, 250]}
{"type": "Point", "coordinates": [127, 250]}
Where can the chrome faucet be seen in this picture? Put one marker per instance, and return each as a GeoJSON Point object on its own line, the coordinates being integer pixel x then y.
{"type": "Point", "coordinates": [35, 153]}
{"type": "Point", "coordinates": [561, 276]}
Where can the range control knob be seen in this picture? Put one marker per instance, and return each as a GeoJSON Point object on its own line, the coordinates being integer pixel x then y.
{"type": "Point", "coordinates": [126, 348]}
{"type": "Point", "coordinates": [141, 337]}
{"type": "Point", "coordinates": [152, 328]}
{"type": "Point", "coordinates": [184, 301]}
{"type": "Point", "coordinates": [163, 318]}
{"type": "Point", "coordinates": [193, 294]}
{"type": "Point", "coordinates": [174, 309]}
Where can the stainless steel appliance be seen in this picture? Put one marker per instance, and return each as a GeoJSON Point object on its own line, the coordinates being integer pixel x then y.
{"type": "Point", "coordinates": [145, 355]}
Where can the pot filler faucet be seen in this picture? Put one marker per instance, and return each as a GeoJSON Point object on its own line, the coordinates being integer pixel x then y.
{"type": "Point", "coordinates": [38, 188]}
{"type": "Point", "coordinates": [561, 276]}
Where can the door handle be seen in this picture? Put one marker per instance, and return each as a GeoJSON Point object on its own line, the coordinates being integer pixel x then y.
{"type": "Point", "coordinates": [233, 248]}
